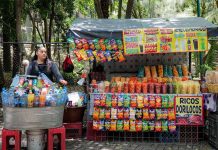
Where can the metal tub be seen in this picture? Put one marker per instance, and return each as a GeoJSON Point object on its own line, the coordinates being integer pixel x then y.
{"type": "Point", "coordinates": [32, 118]}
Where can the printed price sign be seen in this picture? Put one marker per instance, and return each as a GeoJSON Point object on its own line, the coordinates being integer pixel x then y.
{"type": "Point", "coordinates": [189, 110]}
{"type": "Point", "coordinates": [133, 41]}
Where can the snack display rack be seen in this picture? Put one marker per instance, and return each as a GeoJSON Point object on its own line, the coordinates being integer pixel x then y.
{"type": "Point", "coordinates": [164, 47]}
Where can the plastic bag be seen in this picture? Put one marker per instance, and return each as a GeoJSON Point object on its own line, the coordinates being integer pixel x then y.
{"type": "Point", "coordinates": [126, 113]}
{"type": "Point", "coordinates": [114, 100]}
{"type": "Point", "coordinates": [119, 125]}
{"type": "Point", "coordinates": [126, 125]}
{"type": "Point", "coordinates": [127, 100]}
{"type": "Point", "coordinates": [138, 125]}
{"type": "Point", "coordinates": [145, 126]}
{"type": "Point", "coordinates": [146, 101]}
{"type": "Point", "coordinates": [140, 101]}
{"type": "Point", "coordinates": [108, 100]}
{"type": "Point", "coordinates": [158, 126]}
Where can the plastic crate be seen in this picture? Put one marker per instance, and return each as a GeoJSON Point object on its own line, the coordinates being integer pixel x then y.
{"type": "Point", "coordinates": [213, 130]}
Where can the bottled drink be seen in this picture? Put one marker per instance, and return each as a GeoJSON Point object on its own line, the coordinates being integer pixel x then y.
{"type": "Point", "coordinates": [36, 100]}
{"type": "Point", "coordinates": [30, 98]}
{"type": "Point", "coordinates": [42, 99]}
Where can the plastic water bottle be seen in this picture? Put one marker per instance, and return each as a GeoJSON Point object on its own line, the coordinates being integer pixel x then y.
{"type": "Point", "coordinates": [5, 97]}
{"type": "Point", "coordinates": [11, 98]}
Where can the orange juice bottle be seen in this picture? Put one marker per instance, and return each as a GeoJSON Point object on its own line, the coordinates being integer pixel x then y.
{"type": "Point", "coordinates": [42, 99]}
{"type": "Point", "coordinates": [30, 98]}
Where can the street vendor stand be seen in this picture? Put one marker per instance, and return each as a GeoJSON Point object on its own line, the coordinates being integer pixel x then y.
{"type": "Point", "coordinates": [169, 107]}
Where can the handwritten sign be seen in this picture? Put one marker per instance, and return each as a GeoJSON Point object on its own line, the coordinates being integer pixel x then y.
{"type": "Point", "coordinates": [189, 110]}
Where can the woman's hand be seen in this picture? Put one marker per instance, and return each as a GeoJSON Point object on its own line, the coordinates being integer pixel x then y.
{"type": "Point", "coordinates": [64, 82]}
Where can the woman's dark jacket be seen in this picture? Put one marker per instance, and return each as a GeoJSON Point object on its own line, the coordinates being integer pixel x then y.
{"type": "Point", "coordinates": [50, 69]}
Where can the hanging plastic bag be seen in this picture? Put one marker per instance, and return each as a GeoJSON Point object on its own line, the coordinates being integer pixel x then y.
{"type": "Point", "coordinates": [68, 64]}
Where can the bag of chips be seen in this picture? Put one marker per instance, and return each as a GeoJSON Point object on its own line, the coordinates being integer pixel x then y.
{"type": "Point", "coordinates": [179, 68]}
{"type": "Point", "coordinates": [108, 100]}
{"type": "Point", "coordinates": [133, 102]}
{"type": "Point", "coordinates": [164, 113]}
{"type": "Point", "coordinates": [146, 114]}
{"type": "Point", "coordinates": [114, 100]}
{"type": "Point", "coordinates": [138, 113]}
{"type": "Point", "coordinates": [132, 113]}
{"type": "Point", "coordinates": [152, 114]}
{"type": "Point", "coordinates": [164, 101]}
{"type": "Point", "coordinates": [119, 125]}
{"type": "Point", "coordinates": [126, 125]}
{"type": "Point", "coordinates": [165, 71]}
{"type": "Point", "coordinates": [138, 125]}
{"type": "Point", "coordinates": [144, 87]}
{"type": "Point", "coordinates": [175, 72]}
{"type": "Point", "coordinates": [126, 87]}
{"type": "Point", "coordinates": [126, 113]}
{"type": "Point", "coordinates": [153, 72]}
{"type": "Point", "coordinates": [107, 113]}
{"type": "Point", "coordinates": [151, 125]}
{"type": "Point", "coordinates": [101, 125]}
{"type": "Point", "coordinates": [103, 100]}
{"type": "Point", "coordinates": [102, 113]}
{"type": "Point", "coordinates": [126, 100]}
{"type": "Point", "coordinates": [158, 101]}
{"type": "Point", "coordinates": [158, 114]}
{"type": "Point", "coordinates": [145, 126]}
{"type": "Point", "coordinates": [164, 126]}
{"type": "Point", "coordinates": [152, 103]}
{"type": "Point", "coordinates": [97, 98]}
{"type": "Point", "coordinates": [113, 125]}
{"type": "Point", "coordinates": [147, 72]}
{"type": "Point", "coordinates": [107, 125]}
{"type": "Point", "coordinates": [160, 71]}
{"type": "Point", "coordinates": [172, 126]}
{"type": "Point", "coordinates": [96, 113]}
{"type": "Point", "coordinates": [171, 114]}
{"type": "Point", "coordinates": [132, 125]}
{"type": "Point", "coordinates": [95, 125]}
{"type": "Point", "coordinates": [113, 113]}
{"type": "Point", "coordinates": [138, 87]}
{"type": "Point", "coordinates": [171, 101]}
{"type": "Point", "coordinates": [120, 100]}
{"type": "Point", "coordinates": [184, 70]}
{"type": "Point", "coordinates": [158, 127]}
{"type": "Point", "coordinates": [140, 101]}
{"type": "Point", "coordinates": [170, 71]}
{"type": "Point", "coordinates": [146, 101]}
{"type": "Point", "coordinates": [120, 113]}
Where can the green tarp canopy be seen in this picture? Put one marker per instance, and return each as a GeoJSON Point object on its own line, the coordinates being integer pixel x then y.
{"type": "Point", "coordinates": [112, 28]}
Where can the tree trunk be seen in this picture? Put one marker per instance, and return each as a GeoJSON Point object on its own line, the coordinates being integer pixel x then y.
{"type": "Point", "coordinates": [105, 8]}
{"type": "Point", "coordinates": [18, 49]}
{"type": "Point", "coordinates": [98, 8]}
{"type": "Point", "coordinates": [129, 9]}
{"type": "Point", "coordinates": [6, 37]}
{"type": "Point", "coordinates": [139, 9]}
{"type": "Point", "coordinates": [33, 34]}
{"type": "Point", "coordinates": [46, 31]}
{"type": "Point", "coordinates": [2, 79]}
{"type": "Point", "coordinates": [120, 9]}
{"type": "Point", "coordinates": [50, 29]}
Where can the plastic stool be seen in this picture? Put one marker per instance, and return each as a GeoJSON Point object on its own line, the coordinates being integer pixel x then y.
{"type": "Point", "coordinates": [52, 132]}
{"type": "Point", "coordinates": [76, 125]}
{"type": "Point", "coordinates": [11, 133]}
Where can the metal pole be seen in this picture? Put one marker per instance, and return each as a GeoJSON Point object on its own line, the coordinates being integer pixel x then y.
{"type": "Point", "coordinates": [199, 15]}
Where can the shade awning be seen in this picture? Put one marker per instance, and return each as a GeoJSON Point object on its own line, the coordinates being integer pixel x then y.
{"type": "Point", "coordinates": [112, 28]}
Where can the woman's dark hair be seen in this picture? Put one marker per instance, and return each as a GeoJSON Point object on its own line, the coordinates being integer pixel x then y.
{"type": "Point", "coordinates": [35, 57]}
